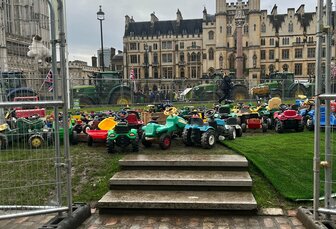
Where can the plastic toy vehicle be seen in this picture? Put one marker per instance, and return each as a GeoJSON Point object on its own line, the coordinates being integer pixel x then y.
{"type": "Point", "coordinates": [122, 135]}
{"type": "Point", "coordinates": [287, 119]}
{"type": "Point", "coordinates": [206, 134]}
{"type": "Point", "coordinates": [311, 119]}
{"type": "Point", "coordinates": [28, 112]}
{"type": "Point", "coordinates": [230, 118]}
{"type": "Point", "coordinates": [134, 121]}
{"type": "Point", "coordinates": [154, 132]}
{"type": "Point", "coordinates": [101, 134]}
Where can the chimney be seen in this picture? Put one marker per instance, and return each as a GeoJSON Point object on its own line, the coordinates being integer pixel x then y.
{"type": "Point", "coordinates": [178, 16]}
{"type": "Point", "coordinates": [127, 21]}
{"type": "Point", "coordinates": [94, 61]}
{"type": "Point", "coordinates": [120, 52]}
{"type": "Point", "coordinates": [301, 10]}
{"type": "Point", "coordinates": [274, 10]}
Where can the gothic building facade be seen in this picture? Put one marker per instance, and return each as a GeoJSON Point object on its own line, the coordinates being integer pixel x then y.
{"type": "Point", "coordinates": [240, 37]}
{"type": "Point", "coordinates": [19, 21]}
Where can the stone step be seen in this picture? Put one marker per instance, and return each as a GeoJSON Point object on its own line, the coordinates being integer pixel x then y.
{"type": "Point", "coordinates": [171, 179]}
{"type": "Point", "coordinates": [162, 161]}
{"type": "Point", "coordinates": [179, 200]}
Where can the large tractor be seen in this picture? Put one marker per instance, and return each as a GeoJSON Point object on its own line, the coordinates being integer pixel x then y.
{"type": "Point", "coordinates": [107, 88]}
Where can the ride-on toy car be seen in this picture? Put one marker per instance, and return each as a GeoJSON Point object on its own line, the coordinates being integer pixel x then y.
{"type": "Point", "coordinates": [101, 134]}
{"type": "Point", "coordinates": [122, 135]}
{"type": "Point", "coordinates": [196, 132]}
{"type": "Point", "coordinates": [154, 132]}
{"type": "Point", "coordinates": [287, 119]}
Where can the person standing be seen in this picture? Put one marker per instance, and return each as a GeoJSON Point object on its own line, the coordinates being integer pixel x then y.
{"type": "Point", "coordinates": [226, 87]}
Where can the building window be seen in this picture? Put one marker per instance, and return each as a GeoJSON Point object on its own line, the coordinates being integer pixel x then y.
{"type": "Point", "coordinates": [255, 27]}
{"type": "Point", "coordinates": [298, 53]}
{"type": "Point", "coordinates": [298, 40]}
{"type": "Point", "coordinates": [229, 30]}
{"type": "Point", "coordinates": [211, 35]}
{"type": "Point", "coordinates": [133, 46]}
{"type": "Point", "coordinates": [134, 59]}
{"type": "Point", "coordinates": [193, 72]}
{"type": "Point", "coordinates": [263, 28]}
{"type": "Point", "coordinates": [155, 58]}
{"type": "Point", "coordinates": [285, 41]}
{"type": "Point", "coordinates": [262, 42]}
{"type": "Point", "coordinates": [311, 68]}
{"type": "Point", "coordinates": [298, 69]}
{"type": "Point", "coordinates": [155, 46]}
{"type": "Point", "coordinates": [285, 67]}
{"type": "Point", "coordinates": [271, 68]}
{"type": "Point", "coordinates": [290, 27]}
{"type": "Point", "coordinates": [310, 39]}
{"type": "Point", "coordinates": [221, 29]}
{"type": "Point", "coordinates": [271, 54]}
{"type": "Point", "coordinates": [156, 73]}
{"type": "Point", "coordinates": [211, 54]}
{"type": "Point", "coordinates": [181, 57]}
{"type": "Point", "coordinates": [311, 53]}
{"type": "Point", "coordinates": [323, 52]}
{"type": "Point", "coordinates": [285, 54]}
{"type": "Point", "coordinates": [193, 44]}
{"type": "Point", "coordinates": [246, 29]}
{"type": "Point", "coordinates": [167, 45]}
{"type": "Point", "coordinates": [263, 54]}
{"type": "Point", "coordinates": [272, 41]}
{"type": "Point", "coordinates": [182, 75]}
{"type": "Point", "coordinates": [181, 45]}
{"type": "Point", "coordinates": [167, 58]}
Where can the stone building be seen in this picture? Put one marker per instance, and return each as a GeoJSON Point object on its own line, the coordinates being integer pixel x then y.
{"type": "Point", "coordinates": [19, 21]}
{"type": "Point", "coordinates": [240, 37]}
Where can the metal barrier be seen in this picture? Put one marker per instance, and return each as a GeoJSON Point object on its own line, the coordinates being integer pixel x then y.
{"type": "Point", "coordinates": [35, 171]}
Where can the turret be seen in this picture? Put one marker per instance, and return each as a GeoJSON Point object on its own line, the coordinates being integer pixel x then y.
{"type": "Point", "coordinates": [220, 6]}
{"type": "Point", "coordinates": [178, 16]}
{"type": "Point", "coordinates": [254, 5]}
{"type": "Point", "coordinates": [274, 10]}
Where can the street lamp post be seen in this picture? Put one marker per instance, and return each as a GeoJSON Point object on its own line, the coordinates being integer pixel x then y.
{"type": "Point", "coordinates": [101, 18]}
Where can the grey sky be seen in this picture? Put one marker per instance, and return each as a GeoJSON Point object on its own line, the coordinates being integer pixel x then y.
{"type": "Point", "coordinates": [84, 29]}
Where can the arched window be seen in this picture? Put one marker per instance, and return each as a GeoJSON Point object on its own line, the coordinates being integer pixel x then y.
{"type": "Point", "coordinates": [298, 40]}
{"type": "Point", "coordinates": [221, 61]}
{"type": "Point", "coordinates": [211, 35]}
{"type": "Point", "coordinates": [246, 29]}
{"type": "Point", "coordinates": [199, 57]}
{"type": "Point", "coordinates": [271, 68]}
{"type": "Point", "coordinates": [263, 28]}
{"type": "Point", "coordinates": [193, 56]}
{"type": "Point", "coordinates": [211, 54]}
{"type": "Point", "coordinates": [290, 27]}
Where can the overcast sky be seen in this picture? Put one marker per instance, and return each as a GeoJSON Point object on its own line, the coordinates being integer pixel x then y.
{"type": "Point", "coordinates": [84, 29]}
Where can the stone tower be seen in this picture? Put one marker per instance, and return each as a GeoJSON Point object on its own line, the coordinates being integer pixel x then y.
{"type": "Point", "coordinates": [221, 38]}
{"type": "Point", "coordinates": [240, 20]}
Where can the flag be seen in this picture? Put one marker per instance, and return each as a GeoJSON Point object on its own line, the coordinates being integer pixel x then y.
{"type": "Point", "coordinates": [49, 77]}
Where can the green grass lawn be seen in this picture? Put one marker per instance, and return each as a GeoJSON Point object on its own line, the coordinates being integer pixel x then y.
{"type": "Point", "coordinates": [286, 160]}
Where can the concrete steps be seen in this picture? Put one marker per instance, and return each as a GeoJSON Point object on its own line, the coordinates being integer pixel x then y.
{"type": "Point", "coordinates": [180, 182]}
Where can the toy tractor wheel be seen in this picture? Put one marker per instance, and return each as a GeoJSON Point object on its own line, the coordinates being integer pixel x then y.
{"type": "Point", "coordinates": [165, 141]}
{"type": "Point", "coordinates": [144, 142]}
{"type": "Point", "coordinates": [186, 137]}
{"type": "Point", "coordinates": [89, 140]}
{"type": "Point", "coordinates": [244, 127]}
{"type": "Point", "coordinates": [299, 127]}
{"type": "Point", "coordinates": [310, 124]}
{"type": "Point", "coordinates": [86, 128]}
{"type": "Point", "coordinates": [110, 146]}
{"type": "Point", "coordinates": [269, 123]}
{"type": "Point", "coordinates": [264, 127]}
{"type": "Point", "coordinates": [50, 138]}
{"type": "Point", "coordinates": [232, 133]}
{"type": "Point", "coordinates": [3, 141]}
{"type": "Point", "coordinates": [239, 132]}
{"type": "Point", "coordinates": [74, 138]}
{"type": "Point", "coordinates": [135, 145]}
{"type": "Point", "coordinates": [78, 129]}
{"type": "Point", "coordinates": [35, 141]}
{"type": "Point", "coordinates": [279, 128]}
{"type": "Point", "coordinates": [208, 139]}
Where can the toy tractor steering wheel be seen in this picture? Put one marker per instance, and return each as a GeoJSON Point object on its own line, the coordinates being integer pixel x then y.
{"type": "Point", "coordinates": [210, 113]}
{"type": "Point", "coordinates": [283, 107]}
{"type": "Point", "coordinates": [122, 115]}
{"type": "Point", "coordinates": [170, 111]}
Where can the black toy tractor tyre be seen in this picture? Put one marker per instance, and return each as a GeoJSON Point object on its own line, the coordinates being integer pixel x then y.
{"type": "Point", "coordinates": [186, 137]}
{"type": "Point", "coordinates": [310, 124]}
{"type": "Point", "coordinates": [240, 92]}
{"type": "Point", "coordinates": [300, 127]}
{"type": "Point", "coordinates": [208, 139]}
{"type": "Point", "coordinates": [86, 128]}
{"type": "Point", "coordinates": [239, 132]}
{"type": "Point", "coordinates": [3, 142]}
{"type": "Point", "coordinates": [89, 141]}
{"type": "Point", "coordinates": [279, 128]}
{"type": "Point", "coordinates": [165, 141]}
{"type": "Point", "coordinates": [244, 127]}
{"type": "Point", "coordinates": [35, 141]}
{"type": "Point", "coordinates": [232, 133]}
{"type": "Point", "coordinates": [78, 129]}
{"type": "Point", "coordinates": [135, 145]}
{"type": "Point", "coordinates": [110, 146]}
{"type": "Point", "coordinates": [74, 138]}
{"type": "Point", "coordinates": [264, 127]}
{"type": "Point", "coordinates": [144, 142]}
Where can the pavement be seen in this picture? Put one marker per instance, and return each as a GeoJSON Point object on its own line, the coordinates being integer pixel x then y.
{"type": "Point", "coordinates": [266, 218]}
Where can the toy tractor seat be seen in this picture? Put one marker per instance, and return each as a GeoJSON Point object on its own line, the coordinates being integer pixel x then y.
{"type": "Point", "coordinates": [231, 121]}
{"type": "Point", "coordinates": [213, 123]}
{"type": "Point", "coordinates": [122, 128]}
{"type": "Point", "coordinates": [274, 103]}
{"type": "Point", "coordinates": [132, 119]}
{"type": "Point", "coordinates": [196, 121]}
{"type": "Point", "coordinates": [290, 113]}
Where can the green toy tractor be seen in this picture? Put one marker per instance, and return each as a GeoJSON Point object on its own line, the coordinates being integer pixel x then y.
{"type": "Point", "coordinates": [122, 135]}
{"type": "Point", "coordinates": [162, 134]}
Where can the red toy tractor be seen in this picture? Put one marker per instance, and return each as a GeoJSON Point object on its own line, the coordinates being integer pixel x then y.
{"type": "Point", "coordinates": [288, 119]}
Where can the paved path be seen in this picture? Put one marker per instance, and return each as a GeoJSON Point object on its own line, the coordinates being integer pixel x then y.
{"type": "Point", "coordinates": [97, 221]}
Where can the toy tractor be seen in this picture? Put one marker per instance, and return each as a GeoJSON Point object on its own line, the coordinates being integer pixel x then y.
{"type": "Point", "coordinates": [225, 112]}
{"type": "Point", "coordinates": [122, 135]}
{"type": "Point", "coordinates": [162, 134]}
{"type": "Point", "coordinates": [288, 119]}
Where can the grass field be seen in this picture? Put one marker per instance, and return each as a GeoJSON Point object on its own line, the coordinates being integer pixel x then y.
{"type": "Point", "coordinates": [286, 160]}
